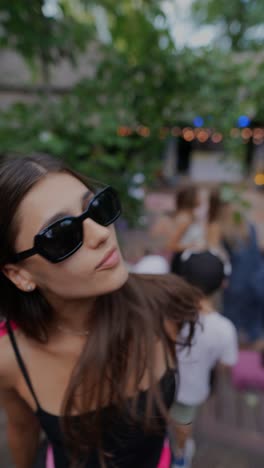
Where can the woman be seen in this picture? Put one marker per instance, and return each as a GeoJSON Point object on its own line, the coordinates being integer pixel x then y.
{"type": "Point", "coordinates": [186, 232]}
{"type": "Point", "coordinates": [231, 232]}
{"type": "Point", "coordinates": [87, 352]}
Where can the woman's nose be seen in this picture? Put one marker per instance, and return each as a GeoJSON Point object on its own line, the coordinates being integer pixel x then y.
{"type": "Point", "coordinates": [94, 234]}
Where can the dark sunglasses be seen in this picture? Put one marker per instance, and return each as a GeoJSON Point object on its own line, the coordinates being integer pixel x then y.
{"type": "Point", "coordinates": [61, 239]}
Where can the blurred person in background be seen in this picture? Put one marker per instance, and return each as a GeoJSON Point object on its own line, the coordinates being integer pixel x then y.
{"type": "Point", "coordinates": [87, 352]}
{"type": "Point", "coordinates": [230, 231]}
{"type": "Point", "coordinates": [187, 230]}
{"type": "Point", "coordinates": [152, 263]}
{"type": "Point", "coordinates": [214, 344]}
{"type": "Point", "coordinates": [142, 256]}
{"type": "Point", "coordinates": [215, 209]}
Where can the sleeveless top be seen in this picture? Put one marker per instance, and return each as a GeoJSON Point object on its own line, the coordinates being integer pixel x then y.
{"type": "Point", "coordinates": [194, 234]}
{"type": "Point", "coordinates": [126, 441]}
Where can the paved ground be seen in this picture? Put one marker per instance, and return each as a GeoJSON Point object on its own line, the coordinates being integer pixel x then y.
{"type": "Point", "coordinates": [215, 455]}
{"type": "Point", "coordinates": [230, 429]}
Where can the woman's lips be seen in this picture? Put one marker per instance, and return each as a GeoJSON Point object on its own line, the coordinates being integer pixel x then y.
{"type": "Point", "coordinates": [109, 261]}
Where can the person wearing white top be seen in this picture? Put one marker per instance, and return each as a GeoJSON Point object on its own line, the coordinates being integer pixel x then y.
{"type": "Point", "coordinates": [214, 343]}
{"type": "Point", "coordinates": [151, 263]}
{"type": "Point", "coordinates": [187, 229]}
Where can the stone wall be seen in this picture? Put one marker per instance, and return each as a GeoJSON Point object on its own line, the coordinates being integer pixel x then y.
{"type": "Point", "coordinates": [18, 84]}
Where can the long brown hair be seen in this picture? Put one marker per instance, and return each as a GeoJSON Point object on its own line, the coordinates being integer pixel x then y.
{"type": "Point", "coordinates": [230, 219]}
{"type": "Point", "coordinates": [124, 324]}
{"type": "Point", "coordinates": [186, 197]}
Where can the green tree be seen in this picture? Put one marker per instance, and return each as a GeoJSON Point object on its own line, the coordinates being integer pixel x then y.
{"type": "Point", "coordinates": [41, 39]}
{"type": "Point", "coordinates": [239, 21]}
{"type": "Point", "coordinates": [141, 84]}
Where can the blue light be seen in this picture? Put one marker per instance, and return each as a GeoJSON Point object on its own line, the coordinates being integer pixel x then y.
{"type": "Point", "coordinates": [198, 121]}
{"type": "Point", "coordinates": [243, 121]}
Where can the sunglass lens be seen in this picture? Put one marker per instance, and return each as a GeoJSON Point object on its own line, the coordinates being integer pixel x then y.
{"type": "Point", "coordinates": [105, 208]}
{"type": "Point", "coordinates": [61, 239]}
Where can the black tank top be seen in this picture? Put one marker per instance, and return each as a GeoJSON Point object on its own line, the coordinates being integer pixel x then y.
{"type": "Point", "coordinates": [128, 444]}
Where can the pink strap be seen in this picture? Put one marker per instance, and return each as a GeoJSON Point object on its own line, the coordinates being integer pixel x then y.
{"type": "Point", "coordinates": [165, 459]}
{"type": "Point", "coordinates": [50, 458]}
{"type": "Point", "coordinates": [3, 329]}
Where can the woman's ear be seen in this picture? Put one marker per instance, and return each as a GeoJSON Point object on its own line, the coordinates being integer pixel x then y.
{"type": "Point", "coordinates": [19, 277]}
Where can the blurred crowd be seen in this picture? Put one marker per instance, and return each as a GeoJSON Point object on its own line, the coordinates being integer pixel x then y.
{"type": "Point", "coordinates": [214, 220]}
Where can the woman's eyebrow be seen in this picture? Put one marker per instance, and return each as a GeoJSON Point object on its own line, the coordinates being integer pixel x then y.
{"type": "Point", "coordinates": [62, 214]}
{"type": "Point", "coordinates": [86, 195]}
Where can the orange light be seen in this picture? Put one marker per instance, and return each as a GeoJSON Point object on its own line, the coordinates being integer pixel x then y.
{"type": "Point", "coordinates": [198, 130]}
{"type": "Point", "coordinates": [259, 179]}
{"type": "Point", "coordinates": [246, 133]}
{"type": "Point", "coordinates": [124, 131]}
{"type": "Point", "coordinates": [202, 136]}
{"type": "Point", "coordinates": [258, 133]}
{"type": "Point", "coordinates": [217, 137]}
{"type": "Point", "coordinates": [188, 135]}
{"type": "Point", "coordinates": [143, 131]}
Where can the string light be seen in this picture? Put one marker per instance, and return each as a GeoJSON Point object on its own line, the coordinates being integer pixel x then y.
{"type": "Point", "coordinates": [217, 137]}
{"type": "Point", "coordinates": [202, 136]}
{"type": "Point", "coordinates": [188, 135]}
{"type": "Point", "coordinates": [258, 133]}
{"type": "Point", "coordinates": [259, 179]}
{"type": "Point", "coordinates": [198, 121]}
{"type": "Point", "coordinates": [124, 131]}
{"type": "Point", "coordinates": [143, 131]}
{"type": "Point", "coordinates": [243, 121]}
{"type": "Point", "coordinates": [246, 133]}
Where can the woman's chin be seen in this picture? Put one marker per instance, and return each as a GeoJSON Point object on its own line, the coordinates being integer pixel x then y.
{"type": "Point", "coordinates": [117, 278]}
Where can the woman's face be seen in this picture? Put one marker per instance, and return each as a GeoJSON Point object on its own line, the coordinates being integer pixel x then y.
{"type": "Point", "coordinates": [79, 276]}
